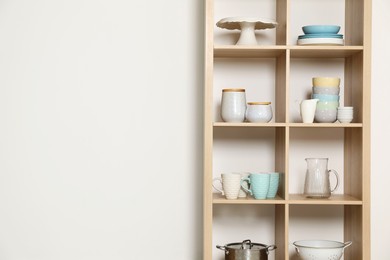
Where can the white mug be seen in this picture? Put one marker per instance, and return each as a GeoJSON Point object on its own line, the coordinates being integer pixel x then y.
{"type": "Point", "coordinates": [230, 185]}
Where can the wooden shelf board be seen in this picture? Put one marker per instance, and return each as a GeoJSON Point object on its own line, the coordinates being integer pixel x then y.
{"type": "Point", "coordinates": [296, 125]}
{"type": "Point", "coordinates": [331, 125]}
{"type": "Point", "coordinates": [273, 51]}
{"type": "Point", "coordinates": [219, 199]}
{"type": "Point", "coordinates": [323, 51]}
{"type": "Point", "coordinates": [247, 124]}
{"type": "Point", "coordinates": [245, 51]}
{"type": "Point", "coordinates": [336, 199]}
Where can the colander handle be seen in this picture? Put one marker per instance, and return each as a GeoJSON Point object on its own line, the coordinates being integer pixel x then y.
{"type": "Point", "coordinates": [347, 244]}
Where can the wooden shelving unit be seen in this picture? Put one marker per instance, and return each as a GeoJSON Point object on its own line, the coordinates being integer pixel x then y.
{"type": "Point", "coordinates": [356, 58]}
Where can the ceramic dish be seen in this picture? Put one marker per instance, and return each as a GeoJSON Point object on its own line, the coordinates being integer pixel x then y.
{"type": "Point", "coordinates": [322, 35]}
{"type": "Point", "coordinates": [310, 29]}
{"type": "Point", "coordinates": [326, 97]}
{"type": "Point", "coordinates": [321, 41]}
{"type": "Point", "coordinates": [326, 90]}
{"type": "Point", "coordinates": [328, 105]}
{"type": "Point", "coordinates": [326, 82]}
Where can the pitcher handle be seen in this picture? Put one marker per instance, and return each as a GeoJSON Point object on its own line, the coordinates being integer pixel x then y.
{"type": "Point", "coordinates": [243, 187]}
{"type": "Point", "coordinates": [337, 180]}
{"type": "Point", "coordinates": [220, 180]}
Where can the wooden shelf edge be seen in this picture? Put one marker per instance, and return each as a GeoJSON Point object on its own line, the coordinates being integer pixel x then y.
{"type": "Point", "coordinates": [247, 124]}
{"type": "Point", "coordinates": [336, 199]}
{"type": "Point", "coordinates": [294, 199]}
{"type": "Point", "coordinates": [296, 125]}
{"type": "Point", "coordinates": [334, 125]}
{"type": "Point", "coordinates": [219, 199]}
{"type": "Point", "coordinates": [273, 51]}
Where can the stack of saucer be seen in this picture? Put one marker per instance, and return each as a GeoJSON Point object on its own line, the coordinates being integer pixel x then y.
{"type": "Point", "coordinates": [345, 114]}
{"type": "Point", "coordinates": [321, 35]}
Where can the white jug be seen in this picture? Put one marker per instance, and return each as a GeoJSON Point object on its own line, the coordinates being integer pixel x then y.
{"type": "Point", "coordinates": [308, 109]}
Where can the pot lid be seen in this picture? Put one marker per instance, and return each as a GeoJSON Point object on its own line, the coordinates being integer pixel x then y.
{"type": "Point", "coordinates": [246, 244]}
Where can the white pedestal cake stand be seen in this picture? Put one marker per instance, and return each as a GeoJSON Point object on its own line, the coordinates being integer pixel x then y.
{"type": "Point", "coordinates": [247, 25]}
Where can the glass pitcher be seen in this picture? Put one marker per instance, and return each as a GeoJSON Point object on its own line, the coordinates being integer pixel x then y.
{"type": "Point", "coordinates": [317, 184]}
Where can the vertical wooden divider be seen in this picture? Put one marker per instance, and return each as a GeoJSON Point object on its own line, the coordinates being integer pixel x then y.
{"type": "Point", "coordinates": [208, 132]}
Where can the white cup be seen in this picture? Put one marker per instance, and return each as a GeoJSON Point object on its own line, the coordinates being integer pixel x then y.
{"type": "Point", "coordinates": [308, 109]}
{"type": "Point", "coordinates": [231, 185]}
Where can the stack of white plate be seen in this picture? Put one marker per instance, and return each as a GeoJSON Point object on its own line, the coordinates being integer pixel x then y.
{"type": "Point", "coordinates": [321, 35]}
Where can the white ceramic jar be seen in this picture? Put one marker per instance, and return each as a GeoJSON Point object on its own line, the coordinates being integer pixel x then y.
{"type": "Point", "coordinates": [233, 105]}
{"type": "Point", "coordinates": [259, 112]}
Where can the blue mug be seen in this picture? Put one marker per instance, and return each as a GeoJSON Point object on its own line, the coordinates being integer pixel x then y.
{"type": "Point", "coordinates": [258, 183]}
{"type": "Point", "coordinates": [273, 185]}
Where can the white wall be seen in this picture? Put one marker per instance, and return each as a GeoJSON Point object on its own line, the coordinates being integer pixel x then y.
{"type": "Point", "coordinates": [101, 129]}
{"type": "Point", "coordinates": [380, 178]}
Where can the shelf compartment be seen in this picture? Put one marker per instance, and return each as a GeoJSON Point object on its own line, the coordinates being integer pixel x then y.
{"type": "Point", "coordinates": [317, 143]}
{"type": "Point", "coordinates": [337, 199]}
{"type": "Point", "coordinates": [330, 222]}
{"type": "Point", "coordinates": [243, 51]}
{"type": "Point", "coordinates": [270, 9]}
{"type": "Point", "coordinates": [238, 149]}
{"type": "Point", "coordinates": [315, 222]}
{"type": "Point", "coordinates": [219, 199]}
{"type": "Point", "coordinates": [264, 224]}
{"type": "Point", "coordinates": [300, 82]}
{"type": "Point", "coordinates": [315, 12]}
{"type": "Point", "coordinates": [263, 80]}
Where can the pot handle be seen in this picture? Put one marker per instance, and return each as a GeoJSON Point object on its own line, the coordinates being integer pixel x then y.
{"type": "Point", "coordinates": [270, 248]}
{"type": "Point", "coordinates": [347, 244]}
{"type": "Point", "coordinates": [221, 247]}
{"type": "Point", "coordinates": [248, 241]}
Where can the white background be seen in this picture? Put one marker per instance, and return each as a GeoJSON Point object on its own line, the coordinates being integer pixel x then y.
{"type": "Point", "coordinates": [101, 129]}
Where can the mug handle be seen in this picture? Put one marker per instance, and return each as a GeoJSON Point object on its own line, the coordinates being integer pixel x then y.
{"type": "Point", "coordinates": [244, 188]}
{"type": "Point", "coordinates": [337, 180]}
{"type": "Point", "coordinates": [220, 180]}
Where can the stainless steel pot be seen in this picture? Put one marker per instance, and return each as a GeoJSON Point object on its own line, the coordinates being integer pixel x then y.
{"type": "Point", "coordinates": [246, 250]}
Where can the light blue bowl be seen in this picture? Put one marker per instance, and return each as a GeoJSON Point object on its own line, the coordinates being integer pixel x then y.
{"type": "Point", "coordinates": [333, 105]}
{"type": "Point", "coordinates": [325, 97]}
{"type": "Point", "coordinates": [314, 29]}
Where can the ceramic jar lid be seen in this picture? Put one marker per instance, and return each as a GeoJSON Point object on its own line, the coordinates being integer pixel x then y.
{"type": "Point", "coordinates": [259, 103]}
